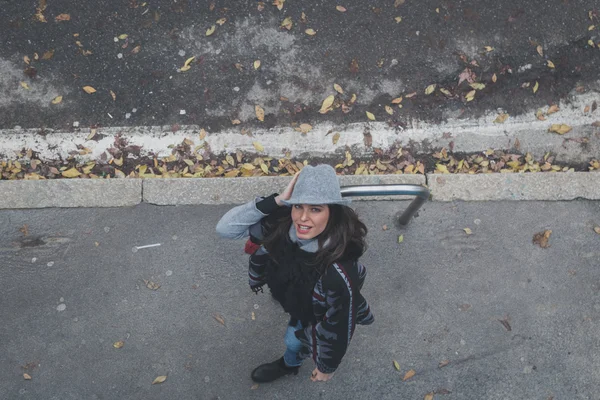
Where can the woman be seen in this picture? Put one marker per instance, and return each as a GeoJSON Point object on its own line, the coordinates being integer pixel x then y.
{"type": "Point", "coordinates": [304, 245]}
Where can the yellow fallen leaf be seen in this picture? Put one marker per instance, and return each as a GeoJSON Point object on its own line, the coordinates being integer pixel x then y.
{"type": "Point", "coordinates": [591, 27]}
{"type": "Point", "coordinates": [400, 238]}
{"type": "Point", "coordinates": [370, 116]}
{"type": "Point", "coordinates": [287, 23]}
{"type": "Point", "coordinates": [310, 32]}
{"type": "Point", "coordinates": [211, 30]}
{"type": "Point", "coordinates": [396, 365]}
{"type": "Point", "coordinates": [443, 363]}
{"type": "Point", "coordinates": [540, 50]}
{"type": "Point", "coordinates": [335, 138]}
{"type": "Point", "coordinates": [27, 377]}
{"type": "Point", "coordinates": [118, 161]}
{"type": "Point", "coordinates": [260, 113]}
{"type": "Point", "coordinates": [221, 21]}
{"type": "Point", "coordinates": [219, 319]}
{"type": "Point", "coordinates": [257, 64]}
{"type": "Point", "coordinates": [477, 85]}
{"type": "Point", "coordinates": [353, 98]}
{"type": "Point", "coordinates": [113, 95]}
{"type": "Point", "coordinates": [265, 169]}
{"type": "Point", "coordinates": [248, 166]}
{"type": "Point", "coordinates": [202, 134]}
{"type": "Point", "coordinates": [389, 110]}
{"type": "Point", "coordinates": [539, 114]}
{"type": "Point", "coordinates": [501, 118]}
{"type": "Point", "coordinates": [561, 129]}
{"type": "Point", "coordinates": [397, 100]}
{"type": "Point", "coordinates": [89, 89]}
{"type": "Point", "coordinates": [471, 95]}
{"type": "Point", "coordinates": [119, 344]}
{"type": "Point", "coordinates": [550, 64]}
{"type": "Point", "coordinates": [185, 68]}
{"type": "Point", "coordinates": [327, 103]}
{"type": "Point", "coordinates": [597, 229]}
{"type": "Point", "coordinates": [189, 61]}
{"type": "Point", "coordinates": [552, 109]}
{"type": "Point", "coordinates": [441, 168]}
{"type": "Point", "coordinates": [340, 8]}
{"type": "Point", "coordinates": [62, 17]}
{"type": "Point", "coordinates": [236, 121]}
{"type": "Point", "coordinates": [494, 78]}
{"type": "Point", "coordinates": [338, 88]}
{"type": "Point", "coordinates": [57, 100]}
{"type": "Point", "coordinates": [488, 48]}
{"type": "Point", "coordinates": [24, 85]}
{"type": "Point", "coordinates": [159, 379]}
{"type": "Point", "coordinates": [279, 4]}
{"type": "Point", "coordinates": [71, 173]}
{"type": "Point", "coordinates": [409, 375]}
{"type": "Point", "coordinates": [430, 88]}
{"type": "Point", "coordinates": [428, 396]}
{"type": "Point", "coordinates": [445, 91]}
{"type": "Point", "coordinates": [48, 55]}
{"type": "Point", "coordinates": [398, 19]}
{"type": "Point", "coordinates": [259, 147]}
{"type": "Point", "coordinates": [536, 87]}
{"type": "Point", "coordinates": [26, 59]}
{"type": "Point", "coordinates": [468, 231]}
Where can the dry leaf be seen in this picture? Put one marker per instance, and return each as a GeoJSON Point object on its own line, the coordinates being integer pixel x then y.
{"type": "Point", "coordinates": [536, 87]}
{"type": "Point", "coordinates": [340, 8]}
{"type": "Point", "coordinates": [389, 110]}
{"type": "Point", "coordinates": [494, 78]}
{"type": "Point", "coordinates": [278, 4]}
{"type": "Point", "coordinates": [550, 64]}
{"type": "Point", "coordinates": [221, 21]}
{"type": "Point", "coordinates": [398, 19]}
{"type": "Point", "coordinates": [113, 95]}
{"type": "Point", "coordinates": [149, 284]}
{"type": "Point", "coordinates": [501, 118]}
{"type": "Point", "coordinates": [71, 173]}
{"type": "Point", "coordinates": [541, 238]}
{"type": "Point", "coordinates": [370, 116]}
{"type": "Point", "coordinates": [236, 121]}
{"type": "Point", "coordinates": [396, 365]}
{"type": "Point", "coordinates": [561, 129]}
{"type": "Point", "coordinates": [89, 89]}
{"type": "Point", "coordinates": [57, 100]}
{"type": "Point", "coordinates": [335, 138]}
{"type": "Point", "coordinates": [254, 387]}
{"type": "Point", "coordinates": [597, 229]}
{"type": "Point", "coordinates": [540, 50]}
{"type": "Point", "coordinates": [48, 55]}
{"type": "Point", "coordinates": [287, 23]}
{"type": "Point", "coordinates": [441, 168]}
{"type": "Point", "coordinates": [119, 344]}
{"type": "Point", "coordinates": [468, 231]}
{"type": "Point", "coordinates": [471, 95]}
{"type": "Point", "coordinates": [428, 396]}
{"type": "Point", "coordinates": [260, 113]}
{"type": "Point", "coordinates": [409, 375]}
{"type": "Point", "coordinates": [384, 227]}
{"type": "Point", "coordinates": [539, 114]}
{"type": "Point", "coordinates": [259, 147]}
{"type": "Point", "coordinates": [397, 100]}
{"type": "Point", "coordinates": [400, 238]}
{"type": "Point", "coordinates": [477, 85]}
{"type": "Point", "coordinates": [430, 88]}
{"type": "Point", "coordinates": [304, 128]}
{"type": "Point", "coordinates": [338, 88]}
{"type": "Point", "coordinates": [552, 109]}
{"type": "Point", "coordinates": [219, 319]}
{"type": "Point", "coordinates": [506, 323]}
{"type": "Point", "coordinates": [310, 32]}
{"type": "Point", "coordinates": [211, 30]}
{"type": "Point", "coordinates": [398, 3]}
{"type": "Point", "coordinates": [488, 48]}
{"type": "Point", "coordinates": [159, 379]}
{"type": "Point", "coordinates": [443, 363]}
{"type": "Point", "coordinates": [257, 64]}
{"type": "Point", "coordinates": [354, 66]}
{"type": "Point", "coordinates": [24, 85]}
{"type": "Point", "coordinates": [62, 17]}
{"type": "Point", "coordinates": [327, 103]}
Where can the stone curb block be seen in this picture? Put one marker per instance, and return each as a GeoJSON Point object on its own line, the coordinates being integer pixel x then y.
{"type": "Point", "coordinates": [515, 186]}
{"type": "Point", "coordinates": [70, 193]}
{"type": "Point", "coordinates": [239, 190]}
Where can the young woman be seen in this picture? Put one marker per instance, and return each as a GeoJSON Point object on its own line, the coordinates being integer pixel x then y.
{"type": "Point", "coordinates": [305, 244]}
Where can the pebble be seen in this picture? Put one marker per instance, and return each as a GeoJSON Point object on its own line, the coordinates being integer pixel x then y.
{"type": "Point", "coordinates": [120, 55]}
{"type": "Point", "coordinates": [181, 53]}
{"type": "Point", "coordinates": [76, 124]}
{"type": "Point", "coordinates": [127, 116]}
{"type": "Point", "coordinates": [169, 273]}
{"type": "Point", "coordinates": [462, 342]}
{"type": "Point", "coordinates": [206, 379]}
{"type": "Point", "coordinates": [394, 62]}
{"type": "Point", "coordinates": [134, 110]}
{"type": "Point", "coordinates": [116, 39]}
{"type": "Point", "coordinates": [34, 259]}
{"type": "Point", "coordinates": [61, 300]}
{"type": "Point", "coordinates": [477, 221]}
{"type": "Point", "coordinates": [256, 306]}
{"type": "Point", "coordinates": [236, 89]}
{"type": "Point", "coordinates": [50, 264]}
{"type": "Point", "coordinates": [106, 229]}
{"type": "Point", "coordinates": [181, 112]}
{"type": "Point", "coordinates": [174, 237]}
{"type": "Point", "coordinates": [218, 51]}
{"type": "Point", "coordinates": [61, 307]}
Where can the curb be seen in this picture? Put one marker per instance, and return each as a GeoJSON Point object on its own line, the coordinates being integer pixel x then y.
{"type": "Point", "coordinates": [195, 191]}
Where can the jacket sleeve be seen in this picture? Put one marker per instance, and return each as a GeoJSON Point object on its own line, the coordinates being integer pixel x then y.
{"type": "Point", "coordinates": [329, 338]}
{"type": "Point", "coordinates": [244, 220]}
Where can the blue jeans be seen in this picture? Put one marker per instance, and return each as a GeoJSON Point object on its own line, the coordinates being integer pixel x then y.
{"type": "Point", "coordinates": [293, 345]}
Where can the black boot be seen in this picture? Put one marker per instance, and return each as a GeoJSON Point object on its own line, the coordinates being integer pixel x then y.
{"type": "Point", "coordinates": [271, 371]}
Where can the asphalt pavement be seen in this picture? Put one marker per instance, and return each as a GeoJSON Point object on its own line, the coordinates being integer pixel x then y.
{"type": "Point", "coordinates": [503, 317]}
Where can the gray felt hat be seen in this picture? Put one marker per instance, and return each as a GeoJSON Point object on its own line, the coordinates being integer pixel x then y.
{"type": "Point", "coordinates": [317, 185]}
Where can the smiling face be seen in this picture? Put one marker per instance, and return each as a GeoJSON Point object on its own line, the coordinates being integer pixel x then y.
{"type": "Point", "coordinates": [310, 220]}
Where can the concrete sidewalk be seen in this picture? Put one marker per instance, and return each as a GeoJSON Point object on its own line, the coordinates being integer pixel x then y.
{"type": "Point", "coordinates": [73, 286]}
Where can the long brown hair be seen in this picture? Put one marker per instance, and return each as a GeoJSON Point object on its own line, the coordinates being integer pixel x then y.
{"type": "Point", "coordinates": [343, 237]}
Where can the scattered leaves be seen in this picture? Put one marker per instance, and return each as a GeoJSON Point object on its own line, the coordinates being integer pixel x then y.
{"type": "Point", "coordinates": [257, 64]}
{"type": "Point", "coordinates": [62, 17]}
{"type": "Point", "coordinates": [398, 19]}
{"type": "Point", "coordinates": [221, 21]}
{"type": "Point", "coordinates": [211, 30]}
{"type": "Point", "coordinates": [468, 231]}
{"type": "Point", "coordinates": [494, 78]}
{"type": "Point", "coordinates": [24, 85]}
{"type": "Point", "coordinates": [506, 323]}
{"type": "Point", "coordinates": [400, 238]}
{"type": "Point", "coordinates": [71, 173]}
{"type": "Point", "coordinates": [219, 318]}
{"type": "Point", "coordinates": [443, 363]}
{"type": "Point", "coordinates": [428, 396]}
{"type": "Point", "coordinates": [370, 116]}
{"type": "Point", "coordinates": [471, 95]}
{"type": "Point", "coordinates": [327, 103]}
{"type": "Point", "coordinates": [310, 32]}
{"type": "Point", "coordinates": [57, 100]}
{"type": "Point", "coordinates": [338, 88]}
{"type": "Point", "coordinates": [489, 48]}
{"type": "Point", "coordinates": [89, 89]}
{"type": "Point", "coordinates": [501, 118]}
{"type": "Point", "coordinates": [27, 377]}
{"type": "Point", "coordinates": [354, 66]}
{"type": "Point", "coordinates": [597, 229]}
{"type": "Point", "coordinates": [551, 64]}
{"type": "Point", "coordinates": [151, 285]}
{"type": "Point", "coordinates": [397, 100]}
{"type": "Point", "coordinates": [304, 128]}
{"type": "Point", "coordinates": [536, 87]}
{"type": "Point", "coordinates": [335, 138]}
{"type": "Point", "coordinates": [287, 23]}
{"type": "Point", "coordinates": [409, 375]}
{"type": "Point", "coordinates": [541, 238]}
{"type": "Point", "coordinates": [396, 365]}
{"type": "Point", "coordinates": [389, 110]}
{"type": "Point", "coordinates": [259, 147]}
{"type": "Point", "coordinates": [186, 65]}
{"type": "Point", "coordinates": [260, 113]}
{"type": "Point", "coordinates": [540, 50]}
{"type": "Point", "coordinates": [340, 8]}
{"type": "Point", "coordinates": [552, 109]}
{"type": "Point", "coordinates": [119, 344]}
{"type": "Point", "coordinates": [278, 4]}
{"type": "Point", "coordinates": [159, 379]}
{"type": "Point", "coordinates": [430, 89]}
{"type": "Point", "coordinates": [561, 129]}
{"type": "Point", "coordinates": [48, 55]}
